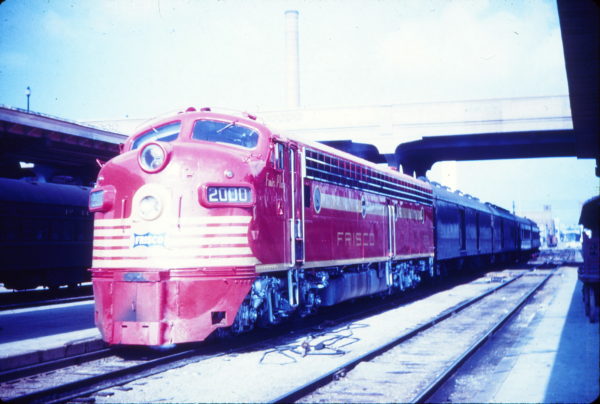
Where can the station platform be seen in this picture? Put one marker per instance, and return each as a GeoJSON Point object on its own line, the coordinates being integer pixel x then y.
{"type": "Point", "coordinates": [40, 334]}
{"type": "Point", "coordinates": [559, 361]}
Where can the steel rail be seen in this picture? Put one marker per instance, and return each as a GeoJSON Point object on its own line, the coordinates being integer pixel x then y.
{"type": "Point", "coordinates": [36, 368]}
{"type": "Point", "coordinates": [428, 391]}
{"type": "Point", "coordinates": [321, 380]}
{"type": "Point", "coordinates": [89, 385]}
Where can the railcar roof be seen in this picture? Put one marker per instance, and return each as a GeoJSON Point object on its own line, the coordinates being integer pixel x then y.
{"type": "Point", "coordinates": [442, 193]}
{"type": "Point", "coordinates": [25, 191]}
{"type": "Point", "coordinates": [499, 211]}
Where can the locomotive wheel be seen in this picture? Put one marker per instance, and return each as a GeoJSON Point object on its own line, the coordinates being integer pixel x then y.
{"type": "Point", "coordinates": [225, 333]}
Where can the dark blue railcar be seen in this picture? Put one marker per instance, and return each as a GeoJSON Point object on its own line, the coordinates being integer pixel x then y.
{"type": "Point", "coordinates": [45, 234]}
{"type": "Point", "coordinates": [469, 232]}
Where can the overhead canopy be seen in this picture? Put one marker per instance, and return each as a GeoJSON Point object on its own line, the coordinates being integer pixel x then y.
{"type": "Point", "coordinates": [55, 146]}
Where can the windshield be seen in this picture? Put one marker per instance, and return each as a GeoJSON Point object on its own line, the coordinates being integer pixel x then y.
{"type": "Point", "coordinates": [225, 132]}
{"type": "Point", "coordinates": [165, 133]}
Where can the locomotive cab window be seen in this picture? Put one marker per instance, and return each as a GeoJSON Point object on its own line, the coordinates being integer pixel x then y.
{"type": "Point", "coordinates": [225, 132]}
{"type": "Point", "coordinates": [164, 133]}
{"type": "Point", "coordinates": [279, 153]}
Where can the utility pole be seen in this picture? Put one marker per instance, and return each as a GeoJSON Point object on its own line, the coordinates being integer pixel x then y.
{"type": "Point", "coordinates": [28, 94]}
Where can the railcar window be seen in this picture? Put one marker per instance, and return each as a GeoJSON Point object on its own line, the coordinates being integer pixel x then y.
{"type": "Point", "coordinates": [10, 228]}
{"type": "Point", "coordinates": [463, 230]}
{"type": "Point", "coordinates": [28, 229]}
{"type": "Point", "coordinates": [56, 232]}
{"type": "Point", "coordinates": [67, 231]}
{"type": "Point", "coordinates": [225, 132]}
{"type": "Point", "coordinates": [79, 234]}
{"type": "Point", "coordinates": [165, 133]}
{"type": "Point", "coordinates": [43, 230]}
{"type": "Point", "coordinates": [477, 226]}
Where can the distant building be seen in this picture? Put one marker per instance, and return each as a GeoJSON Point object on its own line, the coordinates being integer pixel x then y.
{"type": "Point", "coordinates": [548, 225]}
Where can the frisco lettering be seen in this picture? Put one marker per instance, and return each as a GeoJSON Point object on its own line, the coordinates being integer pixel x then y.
{"type": "Point", "coordinates": [355, 239]}
{"type": "Point", "coordinates": [148, 240]}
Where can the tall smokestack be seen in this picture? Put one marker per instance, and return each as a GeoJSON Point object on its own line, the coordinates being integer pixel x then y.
{"type": "Point", "coordinates": [292, 59]}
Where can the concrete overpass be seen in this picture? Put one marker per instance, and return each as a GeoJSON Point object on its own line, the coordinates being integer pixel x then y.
{"type": "Point", "coordinates": [418, 135]}
{"type": "Point", "coordinates": [580, 35]}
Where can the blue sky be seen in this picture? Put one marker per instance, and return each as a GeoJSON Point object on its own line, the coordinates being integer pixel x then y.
{"type": "Point", "coordinates": [114, 59]}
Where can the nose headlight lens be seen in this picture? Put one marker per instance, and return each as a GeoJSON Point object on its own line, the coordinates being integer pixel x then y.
{"type": "Point", "coordinates": [96, 199]}
{"type": "Point", "coordinates": [152, 157]}
{"type": "Point", "coordinates": [102, 199]}
{"type": "Point", "coordinates": [150, 207]}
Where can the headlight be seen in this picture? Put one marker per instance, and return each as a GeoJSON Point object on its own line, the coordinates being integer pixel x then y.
{"type": "Point", "coordinates": [102, 199]}
{"type": "Point", "coordinates": [96, 199]}
{"type": "Point", "coordinates": [152, 157]}
{"type": "Point", "coordinates": [150, 207]}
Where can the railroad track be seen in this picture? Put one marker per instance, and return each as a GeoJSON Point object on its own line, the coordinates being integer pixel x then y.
{"type": "Point", "coordinates": [83, 376]}
{"type": "Point", "coordinates": [288, 367]}
{"type": "Point", "coordinates": [554, 257]}
{"type": "Point", "coordinates": [413, 367]}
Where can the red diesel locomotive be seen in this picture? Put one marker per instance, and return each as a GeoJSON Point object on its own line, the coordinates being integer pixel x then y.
{"type": "Point", "coordinates": [206, 221]}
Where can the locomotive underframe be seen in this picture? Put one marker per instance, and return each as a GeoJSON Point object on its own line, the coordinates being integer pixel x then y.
{"type": "Point", "coordinates": [276, 297]}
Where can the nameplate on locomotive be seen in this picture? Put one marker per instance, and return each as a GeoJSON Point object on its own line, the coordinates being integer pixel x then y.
{"type": "Point", "coordinates": [149, 240]}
